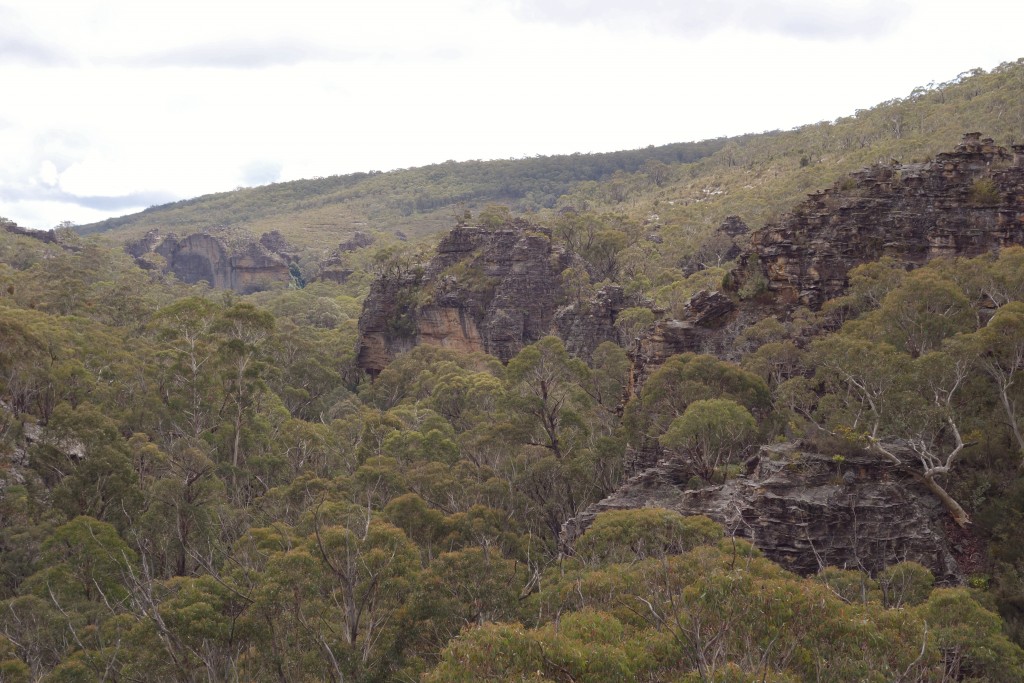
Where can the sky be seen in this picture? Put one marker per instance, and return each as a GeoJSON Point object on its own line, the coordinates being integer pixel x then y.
{"type": "Point", "coordinates": [110, 106]}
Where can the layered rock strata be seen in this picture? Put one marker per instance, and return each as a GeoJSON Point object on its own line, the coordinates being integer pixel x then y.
{"type": "Point", "coordinates": [246, 267]}
{"type": "Point", "coordinates": [491, 290]}
{"type": "Point", "coordinates": [962, 203]}
{"type": "Point", "coordinates": [583, 327]}
{"type": "Point", "coordinates": [804, 510]}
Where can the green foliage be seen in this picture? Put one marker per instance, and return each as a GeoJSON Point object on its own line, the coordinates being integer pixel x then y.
{"type": "Point", "coordinates": [984, 191]}
{"type": "Point", "coordinates": [494, 216]}
{"type": "Point", "coordinates": [710, 433]}
{"type": "Point", "coordinates": [850, 585]}
{"type": "Point", "coordinates": [414, 201]}
{"type": "Point", "coordinates": [686, 378]}
{"type": "Point", "coordinates": [631, 322]}
{"type": "Point", "coordinates": [923, 311]}
{"type": "Point", "coordinates": [702, 615]}
{"type": "Point", "coordinates": [201, 486]}
{"type": "Point", "coordinates": [631, 535]}
{"type": "Point", "coordinates": [754, 281]}
{"type": "Point", "coordinates": [906, 583]}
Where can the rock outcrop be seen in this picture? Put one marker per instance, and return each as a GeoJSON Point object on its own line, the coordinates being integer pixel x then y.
{"type": "Point", "coordinates": [358, 240]}
{"type": "Point", "coordinates": [723, 245]}
{"type": "Point", "coordinates": [962, 203]}
{"type": "Point", "coordinates": [47, 236]}
{"type": "Point", "coordinates": [245, 267]}
{"type": "Point", "coordinates": [491, 290]}
{"type": "Point", "coordinates": [795, 505]}
{"type": "Point", "coordinates": [805, 510]}
{"type": "Point", "coordinates": [336, 267]}
{"type": "Point", "coordinates": [584, 326]}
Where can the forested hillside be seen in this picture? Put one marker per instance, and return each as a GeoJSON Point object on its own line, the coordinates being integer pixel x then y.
{"type": "Point", "coordinates": [691, 187]}
{"type": "Point", "coordinates": [420, 201]}
{"type": "Point", "coordinates": [200, 485]}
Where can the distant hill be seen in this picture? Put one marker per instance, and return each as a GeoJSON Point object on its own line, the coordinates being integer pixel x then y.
{"type": "Point", "coordinates": [417, 200]}
{"type": "Point", "coordinates": [682, 190]}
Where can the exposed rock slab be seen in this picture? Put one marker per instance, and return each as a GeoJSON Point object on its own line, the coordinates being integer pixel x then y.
{"type": "Point", "coordinates": [48, 236]}
{"type": "Point", "coordinates": [585, 327]}
{"type": "Point", "coordinates": [492, 290]}
{"type": "Point", "coordinates": [336, 267]}
{"type": "Point", "coordinates": [804, 510]}
{"type": "Point", "coordinates": [962, 203]}
{"type": "Point", "coordinates": [246, 267]}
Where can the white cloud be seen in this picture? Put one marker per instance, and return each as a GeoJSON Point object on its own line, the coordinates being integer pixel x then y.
{"type": "Point", "coordinates": [48, 173]}
{"type": "Point", "coordinates": [112, 105]}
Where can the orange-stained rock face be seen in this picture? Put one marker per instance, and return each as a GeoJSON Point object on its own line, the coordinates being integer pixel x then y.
{"type": "Point", "coordinates": [451, 328]}
{"type": "Point", "coordinates": [491, 290]}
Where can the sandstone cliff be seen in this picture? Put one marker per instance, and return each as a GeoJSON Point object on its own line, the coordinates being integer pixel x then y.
{"type": "Point", "coordinates": [492, 290]}
{"type": "Point", "coordinates": [792, 505]}
{"type": "Point", "coordinates": [246, 266]}
{"type": "Point", "coordinates": [805, 510]}
{"type": "Point", "coordinates": [962, 203]}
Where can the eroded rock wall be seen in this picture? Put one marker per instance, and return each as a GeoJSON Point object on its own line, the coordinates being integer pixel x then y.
{"type": "Point", "coordinates": [491, 290]}
{"type": "Point", "coordinates": [245, 267]}
{"type": "Point", "coordinates": [962, 203]}
{"type": "Point", "coordinates": [805, 510]}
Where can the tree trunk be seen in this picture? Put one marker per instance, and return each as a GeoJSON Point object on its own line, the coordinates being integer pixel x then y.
{"type": "Point", "coordinates": [1011, 418]}
{"type": "Point", "coordinates": [959, 515]}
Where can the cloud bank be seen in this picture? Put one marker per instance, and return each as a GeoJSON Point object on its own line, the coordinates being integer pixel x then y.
{"type": "Point", "coordinates": [802, 19]}
{"type": "Point", "coordinates": [20, 45]}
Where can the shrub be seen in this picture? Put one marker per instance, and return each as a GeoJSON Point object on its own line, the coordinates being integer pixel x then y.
{"type": "Point", "coordinates": [630, 535]}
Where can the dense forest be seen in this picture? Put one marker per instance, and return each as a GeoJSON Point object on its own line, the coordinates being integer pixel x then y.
{"type": "Point", "coordinates": [197, 485]}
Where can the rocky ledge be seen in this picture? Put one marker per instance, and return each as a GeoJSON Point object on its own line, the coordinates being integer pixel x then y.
{"type": "Point", "coordinates": [962, 203]}
{"type": "Point", "coordinates": [245, 267]}
{"type": "Point", "coordinates": [492, 290]}
{"type": "Point", "coordinates": [805, 510]}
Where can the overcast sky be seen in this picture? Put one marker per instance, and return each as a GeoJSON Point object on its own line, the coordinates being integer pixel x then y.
{"type": "Point", "coordinates": [109, 106]}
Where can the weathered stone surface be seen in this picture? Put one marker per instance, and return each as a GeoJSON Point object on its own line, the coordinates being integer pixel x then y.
{"type": "Point", "coordinates": [246, 267]}
{"type": "Point", "coordinates": [336, 268]}
{"type": "Point", "coordinates": [335, 272]}
{"type": "Point", "coordinates": [963, 203]}
{"type": "Point", "coordinates": [708, 309]}
{"type": "Point", "coordinates": [48, 236]}
{"type": "Point", "coordinates": [664, 339]}
{"type": "Point", "coordinates": [700, 331]}
{"type": "Point", "coordinates": [387, 324]}
{"type": "Point", "coordinates": [492, 290]}
{"type": "Point", "coordinates": [144, 245]}
{"type": "Point", "coordinates": [584, 328]}
{"type": "Point", "coordinates": [733, 226]}
{"type": "Point", "coordinates": [804, 510]}
{"type": "Point", "coordinates": [275, 243]}
{"type": "Point", "coordinates": [359, 240]}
